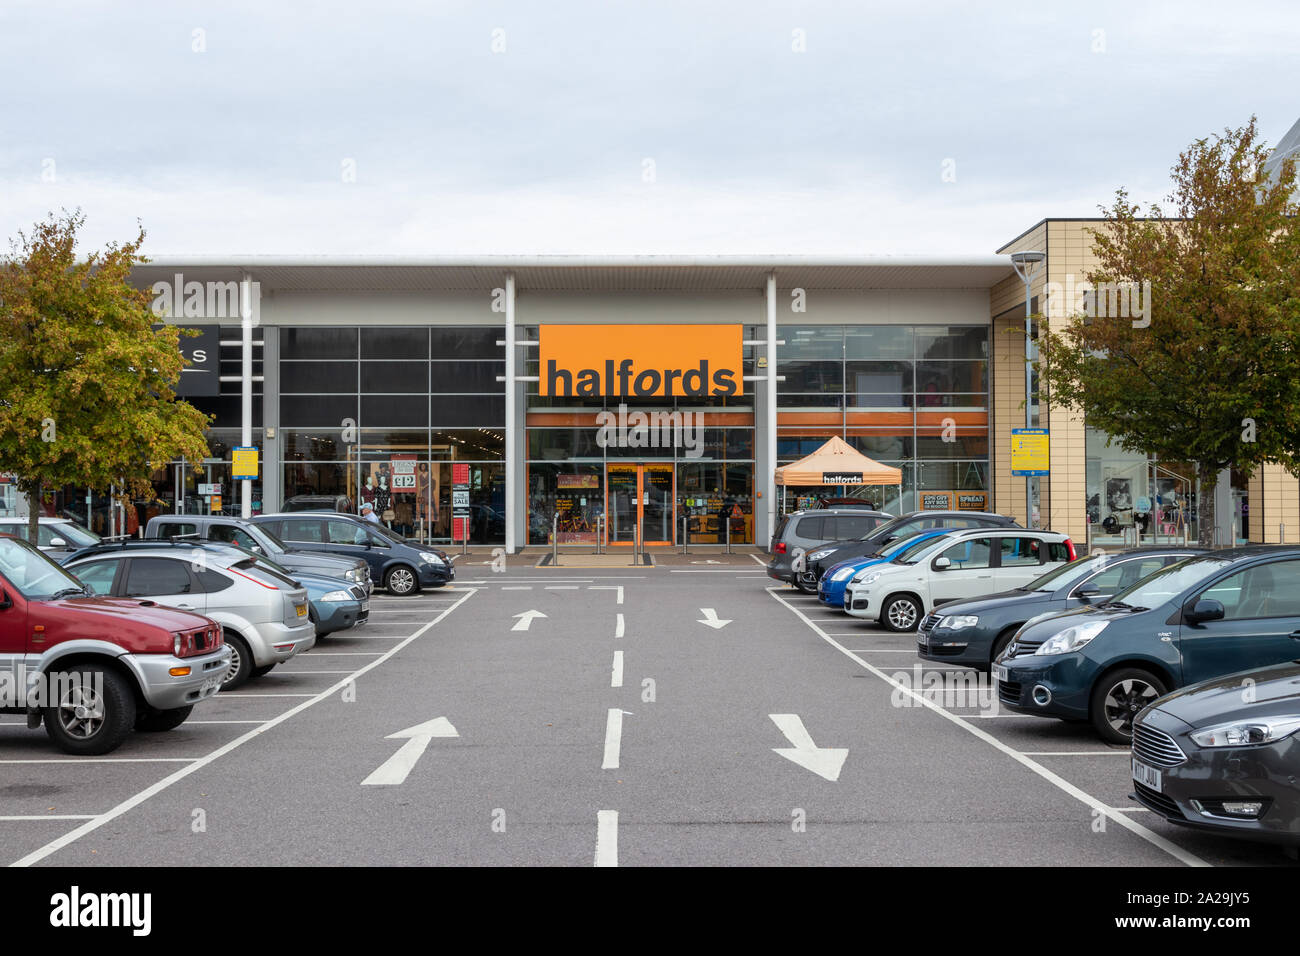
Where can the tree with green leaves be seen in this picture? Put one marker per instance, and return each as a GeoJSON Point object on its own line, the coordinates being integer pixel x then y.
{"type": "Point", "coordinates": [1210, 375]}
{"type": "Point", "coordinates": [86, 372]}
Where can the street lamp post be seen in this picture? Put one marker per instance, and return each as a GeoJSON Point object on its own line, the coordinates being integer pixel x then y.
{"type": "Point", "coordinates": [1026, 265]}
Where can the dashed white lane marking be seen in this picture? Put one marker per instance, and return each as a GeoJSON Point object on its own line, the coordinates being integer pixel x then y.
{"type": "Point", "coordinates": [607, 838]}
{"type": "Point", "coordinates": [1092, 802]}
{"type": "Point", "coordinates": [616, 674]}
{"type": "Point", "coordinates": [517, 587]}
{"type": "Point", "coordinates": [131, 802]}
{"type": "Point", "coordinates": [561, 587]}
{"type": "Point", "coordinates": [618, 625]}
{"type": "Point", "coordinates": [613, 739]}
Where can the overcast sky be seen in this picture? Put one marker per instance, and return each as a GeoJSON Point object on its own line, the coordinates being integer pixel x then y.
{"type": "Point", "coordinates": [615, 126]}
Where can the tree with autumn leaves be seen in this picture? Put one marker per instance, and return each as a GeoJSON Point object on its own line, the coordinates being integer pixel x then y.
{"type": "Point", "coordinates": [1213, 378]}
{"type": "Point", "coordinates": [86, 372]}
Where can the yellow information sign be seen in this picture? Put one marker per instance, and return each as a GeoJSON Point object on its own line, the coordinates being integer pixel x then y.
{"type": "Point", "coordinates": [1029, 452]}
{"type": "Point", "coordinates": [243, 464]}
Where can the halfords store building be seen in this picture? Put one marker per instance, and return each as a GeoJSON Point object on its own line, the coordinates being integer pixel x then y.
{"type": "Point", "coordinates": [374, 380]}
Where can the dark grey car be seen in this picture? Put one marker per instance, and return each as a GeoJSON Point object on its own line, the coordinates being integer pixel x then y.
{"type": "Point", "coordinates": [799, 531]}
{"type": "Point", "coordinates": [1224, 755]}
{"type": "Point", "coordinates": [226, 530]}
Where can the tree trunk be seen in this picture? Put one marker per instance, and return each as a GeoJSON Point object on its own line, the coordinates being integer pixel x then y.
{"type": "Point", "coordinates": [32, 489]}
{"type": "Point", "coordinates": [1205, 517]}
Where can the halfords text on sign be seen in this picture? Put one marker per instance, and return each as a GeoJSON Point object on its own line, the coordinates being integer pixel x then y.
{"type": "Point", "coordinates": [640, 361]}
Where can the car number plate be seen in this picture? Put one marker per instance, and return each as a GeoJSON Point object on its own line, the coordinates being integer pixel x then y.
{"type": "Point", "coordinates": [999, 673]}
{"type": "Point", "coordinates": [365, 605]}
{"type": "Point", "coordinates": [302, 610]}
{"type": "Point", "coordinates": [209, 686]}
{"type": "Point", "coordinates": [1147, 776]}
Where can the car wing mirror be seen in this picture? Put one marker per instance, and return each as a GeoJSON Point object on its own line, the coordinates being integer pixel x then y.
{"type": "Point", "coordinates": [58, 543]}
{"type": "Point", "coordinates": [941, 564]}
{"type": "Point", "coordinates": [1206, 609]}
{"type": "Point", "coordinates": [1088, 592]}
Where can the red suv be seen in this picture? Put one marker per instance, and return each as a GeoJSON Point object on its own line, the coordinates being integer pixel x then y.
{"type": "Point", "coordinates": [94, 669]}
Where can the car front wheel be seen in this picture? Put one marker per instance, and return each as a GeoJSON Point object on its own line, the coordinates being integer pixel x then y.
{"type": "Point", "coordinates": [400, 580]}
{"type": "Point", "coordinates": [901, 613]}
{"type": "Point", "coordinates": [1118, 697]}
{"type": "Point", "coordinates": [94, 711]}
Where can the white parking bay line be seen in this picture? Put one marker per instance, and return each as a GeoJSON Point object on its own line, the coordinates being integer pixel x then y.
{"type": "Point", "coordinates": [315, 653]}
{"type": "Point", "coordinates": [607, 838]}
{"type": "Point", "coordinates": [1076, 753]}
{"type": "Point", "coordinates": [296, 672]}
{"type": "Point", "coordinates": [134, 801]}
{"type": "Point", "coordinates": [188, 722]}
{"type": "Point", "coordinates": [1092, 802]}
{"type": "Point", "coordinates": [47, 816]}
{"type": "Point", "coordinates": [613, 739]}
{"type": "Point", "coordinates": [227, 695]}
{"type": "Point", "coordinates": [759, 560]}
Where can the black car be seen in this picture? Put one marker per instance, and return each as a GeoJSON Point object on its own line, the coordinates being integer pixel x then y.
{"type": "Point", "coordinates": [833, 552]}
{"type": "Point", "coordinates": [1224, 755]}
{"type": "Point", "coordinates": [799, 532]}
{"type": "Point", "coordinates": [974, 632]}
{"type": "Point", "coordinates": [403, 567]}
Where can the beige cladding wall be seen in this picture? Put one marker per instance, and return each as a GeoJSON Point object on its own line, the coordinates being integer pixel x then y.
{"type": "Point", "coordinates": [1273, 496]}
{"type": "Point", "coordinates": [1007, 376]}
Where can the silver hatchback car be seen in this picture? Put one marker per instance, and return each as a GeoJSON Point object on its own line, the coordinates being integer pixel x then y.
{"type": "Point", "coordinates": [264, 615]}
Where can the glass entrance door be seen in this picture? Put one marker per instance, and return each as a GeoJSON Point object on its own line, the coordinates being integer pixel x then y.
{"type": "Point", "coordinates": [639, 496]}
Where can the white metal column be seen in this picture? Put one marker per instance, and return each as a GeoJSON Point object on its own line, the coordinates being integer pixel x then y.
{"type": "Point", "coordinates": [246, 386]}
{"type": "Point", "coordinates": [769, 479]}
{"type": "Point", "coordinates": [511, 418]}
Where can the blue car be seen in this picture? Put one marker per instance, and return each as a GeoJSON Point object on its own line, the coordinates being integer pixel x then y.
{"type": "Point", "coordinates": [830, 589]}
{"type": "Point", "coordinates": [334, 604]}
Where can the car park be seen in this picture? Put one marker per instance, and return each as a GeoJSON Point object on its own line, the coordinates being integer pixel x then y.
{"type": "Point", "coordinates": [799, 531]}
{"type": "Point", "coordinates": [103, 666]}
{"type": "Point", "coordinates": [835, 579]}
{"type": "Point", "coordinates": [1224, 754]}
{"type": "Point", "coordinates": [264, 616]}
{"type": "Point", "coordinates": [222, 529]}
{"type": "Point", "coordinates": [869, 545]}
{"type": "Point", "coordinates": [973, 633]}
{"type": "Point", "coordinates": [403, 567]}
{"type": "Point", "coordinates": [1199, 619]}
{"type": "Point", "coordinates": [54, 536]}
{"type": "Point", "coordinates": [960, 565]}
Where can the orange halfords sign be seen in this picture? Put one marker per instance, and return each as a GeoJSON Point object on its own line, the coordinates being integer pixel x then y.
{"type": "Point", "coordinates": [640, 361]}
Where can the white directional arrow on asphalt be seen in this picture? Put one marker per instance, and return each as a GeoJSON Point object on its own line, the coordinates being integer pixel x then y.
{"type": "Point", "coordinates": [525, 619]}
{"type": "Point", "coordinates": [711, 618]}
{"type": "Point", "coordinates": [826, 762]}
{"type": "Point", "coordinates": [395, 769]}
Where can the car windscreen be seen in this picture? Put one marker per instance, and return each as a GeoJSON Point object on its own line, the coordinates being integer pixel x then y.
{"type": "Point", "coordinates": [905, 540]}
{"type": "Point", "coordinates": [1068, 574]}
{"type": "Point", "coordinates": [917, 550]}
{"type": "Point", "coordinates": [883, 531]}
{"type": "Point", "coordinates": [73, 533]}
{"type": "Point", "coordinates": [1169, 582]}
{"type": "Point", "coordinates": [35, 576]}
{"type": "Point", "coordinates": [262, 531]}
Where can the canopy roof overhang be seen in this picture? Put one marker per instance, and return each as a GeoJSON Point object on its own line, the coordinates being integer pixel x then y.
{"type": "Point", "coordinates": [838, 463]}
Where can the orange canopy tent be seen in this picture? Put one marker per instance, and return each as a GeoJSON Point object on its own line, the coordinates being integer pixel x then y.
{"type": "Point", "coordinates": [838, 463]}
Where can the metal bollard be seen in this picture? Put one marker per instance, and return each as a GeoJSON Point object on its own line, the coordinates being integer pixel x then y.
{"type": "Point", "coordinates": [686, 534]}
{"type": "Point", "coordinates": [728, 520]}
{"type": "Point", "coordinates": [555, 540]}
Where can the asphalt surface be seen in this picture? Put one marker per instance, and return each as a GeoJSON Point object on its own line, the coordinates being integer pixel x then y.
{"type": "Point", "coordinates": [557, 761]}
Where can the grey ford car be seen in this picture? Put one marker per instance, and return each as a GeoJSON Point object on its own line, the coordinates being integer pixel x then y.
{"type": "Point", "coordinates": [246, 534]}
{"type": "Point", "coordinates": [1224, 755]}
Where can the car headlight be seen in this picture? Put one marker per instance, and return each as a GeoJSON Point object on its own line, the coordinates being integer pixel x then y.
{"type": "Point", "coordinates": [353, 575]}
{"type": "Point", "coordinates": [843, 574]}
{"type": "Point", "coordinates": [955, 622]}
{"type": "Point", "coordinates": [1247, 733]}
{"type": "Point", "coordinates": [866, 577]}
{"type": "Point", "coordinates": [818, 555]}
{"type": "Point", "coordinates": [334, 597]}
{"type": "Point", "coordinates": [1071, 639]}
{"type": "Point", "coordinates": [178, 644]}
{"type": "Point", "coordinates": [430, 558]}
